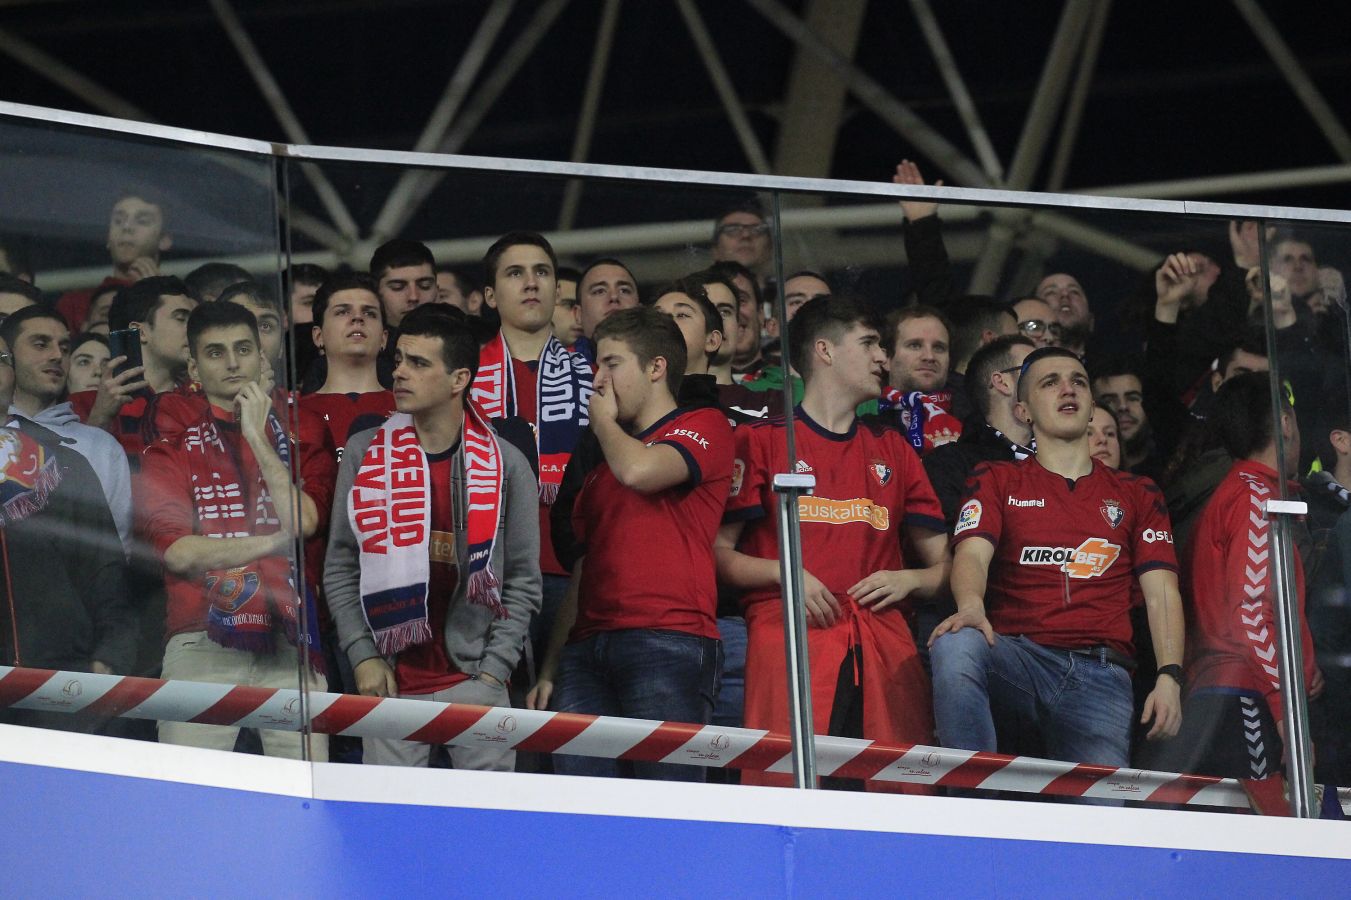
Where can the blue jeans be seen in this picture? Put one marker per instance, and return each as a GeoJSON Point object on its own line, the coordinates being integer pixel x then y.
{"type": "Point", "coordinates": [640, 673]}
{"type": "Point", "coordinates": [1079, 706]}
{"type": "Point", "coordinates": [731, 703]}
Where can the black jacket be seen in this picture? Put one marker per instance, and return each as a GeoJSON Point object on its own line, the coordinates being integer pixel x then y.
{"type": "Point", "coordinates": [63, 602]}
{"type": "Point", "coordinates": [949, 465]}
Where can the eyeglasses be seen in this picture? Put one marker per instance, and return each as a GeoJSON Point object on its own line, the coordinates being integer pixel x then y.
{"type": "Point", "coordinates": [1033, 327]}
{"type": "Point", "coordinates": [737, 230]}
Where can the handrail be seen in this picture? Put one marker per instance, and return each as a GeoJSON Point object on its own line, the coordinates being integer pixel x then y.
{"type": "Point", "coordinates": [683, 177]}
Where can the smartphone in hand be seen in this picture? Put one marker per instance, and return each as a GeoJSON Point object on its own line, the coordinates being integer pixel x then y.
{"type": "Point", "coordinates": [125, 342]}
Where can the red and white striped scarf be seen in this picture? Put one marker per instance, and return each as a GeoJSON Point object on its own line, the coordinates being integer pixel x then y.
{"type": "Point", "coordinates": [562, 391]}
{"type": "Point", "coordinates": [389, 509]}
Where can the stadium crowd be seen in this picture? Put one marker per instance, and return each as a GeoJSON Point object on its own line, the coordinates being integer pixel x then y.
{"type": "Point", "coordinates": [552, 487]}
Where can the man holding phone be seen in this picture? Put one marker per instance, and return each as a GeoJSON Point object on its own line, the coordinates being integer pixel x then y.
{"type": "Point", "coordinates": [148, 339]}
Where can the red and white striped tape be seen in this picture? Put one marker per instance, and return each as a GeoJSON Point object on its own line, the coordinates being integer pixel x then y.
{"type": "Point", "coordinates": [106, 696]}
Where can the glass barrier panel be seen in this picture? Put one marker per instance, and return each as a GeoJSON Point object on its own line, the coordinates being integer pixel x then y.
{"type": "Point", "coordinates": [148, 516]}
{"type": "Point", "coordinates": [1059, 546]}
{"type": "Point", "coordinates": [628, 526]}
{"type": "Point", "coordinates": [1307, 340]}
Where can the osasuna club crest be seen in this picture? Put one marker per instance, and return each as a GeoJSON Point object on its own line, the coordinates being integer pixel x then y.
{"type": "Point", "coordinates": [880, 471]}
{"type": "Point", "coordinates": [1111, 511]}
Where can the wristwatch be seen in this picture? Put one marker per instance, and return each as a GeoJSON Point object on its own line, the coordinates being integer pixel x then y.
{"type": "Point", "coordinates": [1174, 671]}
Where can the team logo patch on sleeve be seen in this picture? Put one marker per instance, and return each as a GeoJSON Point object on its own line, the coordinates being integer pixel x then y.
{"type": "Point", "coordinates": [738, 473]}
{"type": "Point", "coordinates": [968, 518]}
{"type": "Point", "coordinates": [1111, 511]}
{"type": "Point", "coordinates": [880, 471]}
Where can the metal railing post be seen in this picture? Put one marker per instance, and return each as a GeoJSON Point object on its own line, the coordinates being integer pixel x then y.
{"type": "Point", "coordinates": [789, 488]}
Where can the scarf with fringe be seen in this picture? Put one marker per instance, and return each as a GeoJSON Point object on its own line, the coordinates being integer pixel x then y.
{"type": "Point", "coordinates": [390, 511]}
{"type": "Point", "coordinates": [562, 391]}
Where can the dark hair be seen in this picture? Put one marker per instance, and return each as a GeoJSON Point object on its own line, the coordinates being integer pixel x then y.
{"type": "Point", "coordinates": [694, 289]}
{"type": "Point", "coordinates": [1253, 340]}
{"type": "Point", "coordinates": [1116, 364]}
{"type": "Point", "coordinates": [400, 253]}
{"type": "Point", "coordinates": [649, 334]}
{"type": "Point", "coordinates": [140, 301]}
{"type": "Point", "coordinates": [209, 280]}
{"type": "Point", "coordinates": [146, 194]}
{"type": "Point", "coordinates": [344, 281]}
{"type": "Point", "coordinates": [463, 279]}
{"type": "Point", "coordinates": [1336, 417]}
{"type": "Point", "coordinates": [605, 261]}
{"type": "Point", "coordinates": [9, 329]}
{"type": "Point", "coordinates": [568, 273]}
{"type": "Point", "coordinates": [218, 315]}
{"type": "Point", "coordinates": [307, 274]}
{"type": "Point", "coordinates": [712, 275]}
{"type": "Point", "coordinates": [823, 317]}
{"type": "Point", "coordinates": [908, 313]}
{"type": "Point", "coordinates": [1098, 404]}
{"type": "Point", "coordinates": [730, 268]}
{"type": "Point", "coordinates": [995, 356]}
{"type": "Point", "coordinates": [456, 329]}
{"type": "Point", "coordinates": [1241, 419]}
{"type": "Point", "coordinates": [12, 284]}
{"type": "Point", "coordinates": [1037, 356]}
{"type": "Point", "coordinates": [15, 249]}
{"type": "Point", "coordinates": [970, 317]}
{"type": "Point", "coordinates": [251, 290]}
{"type": "Point", "coordinates": [81, 339]}
{"type": "Point", "coordinates": [505, 243]}
{"type": "Point", "coordinates": [749, 204]}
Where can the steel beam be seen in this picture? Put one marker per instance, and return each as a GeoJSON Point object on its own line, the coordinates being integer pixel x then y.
{"type": "Point", "coordinates": [722, 84]}
{"type": "Point", "coordinates": [1046, 103]}
{"type": "Point", "coordinates": [815, 97]}
{"type": "Point", "coordinates": [1300, 82]}
{"type": "Point", "coordinates": [1074, 108]}
{"type": "Point", "coordinates": [461, 80]}
{"type": "Point", "coordinates": [86, 89]}
{"type": "Point", "coordinates": [956, 85]}
{"type": "Point", "coordinates": [281, 108]}
{"type": "Point", "coordinates": [516, 55]}
{"type": "Point", "coordinates": [925, 139]}
{"type": "Point", "coordinates": [586, 121]}
{"type": "Point", "coordinates": [109, 103]}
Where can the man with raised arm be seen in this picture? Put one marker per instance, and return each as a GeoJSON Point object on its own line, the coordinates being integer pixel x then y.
{"type": "Point", "coordinates": [642, 640]}
{"type": "Point", "coordinates": [871, 500]}
{"type": "Point", "coordinates": [157, 309]}
{"type": "Point", "coordinates": [432, 572]}
{"type": "Point", "coordinates": [221, 511]}
{"type": "Point", "coordinates": [1047, 551]}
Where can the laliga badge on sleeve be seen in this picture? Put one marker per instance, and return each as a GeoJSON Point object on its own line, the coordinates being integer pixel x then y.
{"type": "Point", "coordinates": [738, 473]}
{"type": "Point", "coordinates": [968, 518]}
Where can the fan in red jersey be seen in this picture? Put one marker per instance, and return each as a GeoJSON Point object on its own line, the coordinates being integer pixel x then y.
{"type": "Point", "coordinates": [1233, 718]}
{"type": "Point", "coordinates": [349, 328]}
{"type": "Point", "coordinates": [1049, 547]}
{"type": "Point", "coordinates": [642, 639]}
{"type": "Point", "coordinates": [871, 498]}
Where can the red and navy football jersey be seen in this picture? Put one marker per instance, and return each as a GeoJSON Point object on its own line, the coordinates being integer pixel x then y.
{"type": "Point", "coordinates": [649, 557]}
{"type": "Point", "coordinates": [1066, 552]}
{"type": "Point", "coordinates": [868, 482]}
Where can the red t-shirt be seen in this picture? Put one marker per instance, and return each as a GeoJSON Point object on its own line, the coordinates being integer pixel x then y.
{"type": "Point", "coordinates": [426, 668]}
{"type": "Point", "coordinates": [649, 557]}
{"type": "Point", "coordinates": [346, 414]}
{"type": "Point", "coordinates": [868, 482]}
{"type": "Point", "coordinates": [525, 375]}
{"type": "Point", "coordinates": [1066, 553]}
{"type": "Point", "coordinates": [1232, 640]}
